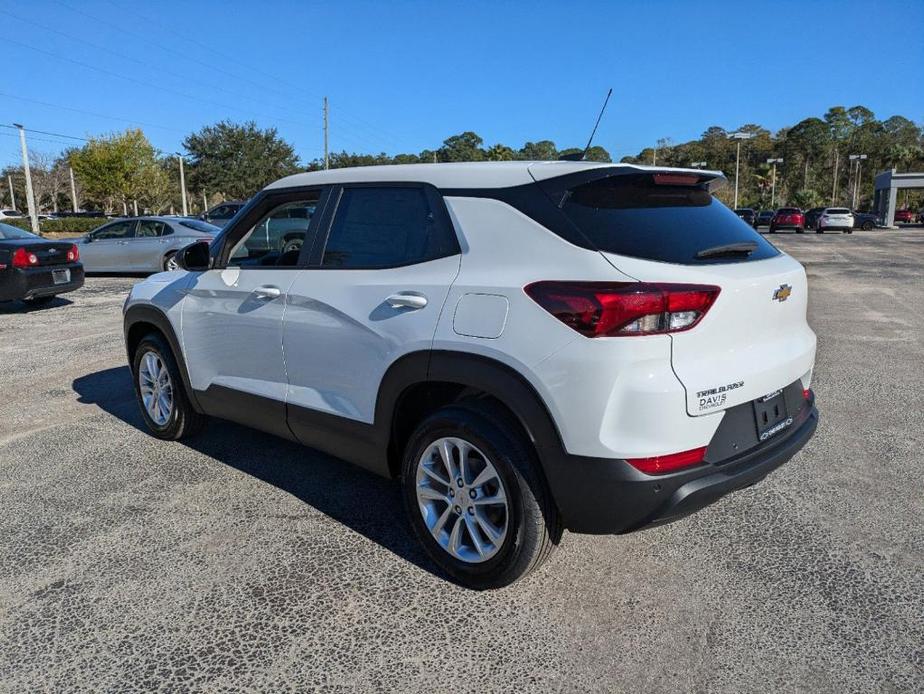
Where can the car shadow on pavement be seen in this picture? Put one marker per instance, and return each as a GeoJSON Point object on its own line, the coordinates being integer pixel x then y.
{"type": "Point", "coordinates": [361, 500]}
{"type": "Point", "coordinates": [7, 307]}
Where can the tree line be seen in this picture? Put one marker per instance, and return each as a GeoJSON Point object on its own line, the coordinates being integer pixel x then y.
{"type": "Point", "coordinates": [118, 172]}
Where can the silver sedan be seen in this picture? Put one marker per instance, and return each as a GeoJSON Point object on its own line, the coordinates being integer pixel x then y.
{"type": "Point", "coordinates": [141, 244]}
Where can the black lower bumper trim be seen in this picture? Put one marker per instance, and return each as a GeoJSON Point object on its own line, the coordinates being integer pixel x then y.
{"type": "Point", "coordinates": [606, 496]}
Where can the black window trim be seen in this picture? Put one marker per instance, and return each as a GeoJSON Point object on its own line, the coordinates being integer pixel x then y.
{"type": "Point", "coordinates": [258, 208]}
{"type": "Point", "coordinates": [441, 219]}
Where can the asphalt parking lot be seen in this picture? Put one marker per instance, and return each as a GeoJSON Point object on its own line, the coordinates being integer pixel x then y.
{"type": "Point", "coordinates": [240, 561]}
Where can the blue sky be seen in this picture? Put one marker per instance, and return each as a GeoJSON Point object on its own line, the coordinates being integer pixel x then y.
{"type": "Point", "coordinates": [402, 76]}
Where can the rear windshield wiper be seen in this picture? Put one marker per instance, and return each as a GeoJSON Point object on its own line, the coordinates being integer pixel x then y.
{"type": "Point", "coordinates": [743, 248]}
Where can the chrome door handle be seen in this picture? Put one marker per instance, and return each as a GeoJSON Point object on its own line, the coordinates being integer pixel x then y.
{"type": "Point", "coordinates": [267, 292]}
{"type": "Point", "coordinates": [407, 300]}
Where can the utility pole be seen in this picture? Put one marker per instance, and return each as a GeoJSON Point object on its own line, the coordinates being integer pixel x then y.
{"type": "Point", "coordinates": [856, 181]}
{"type": "Point", "coordinates": [205, 202]}
{"type": "Point", "coordinates": [9, 179]}
{"type": "Point", "coordinates": [73, 190]}
{"type": "Point", "coordinates": [182, 184]}
{"type": "Point", "coordinates": [837, 156]}
{"type": "Point", "coordinates": [326, 153]}
{"type": "Point", "coordinates": [654, 156]}
{"type": "Point", "coordinates": [739, 136]}
{"type": "Point", "coordinates": [30, 197]}
{"type": "Point", "coordinates": [773, 184]}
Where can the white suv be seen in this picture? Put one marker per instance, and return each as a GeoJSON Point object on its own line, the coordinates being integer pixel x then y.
{"type": "Point", "coordinates": [527, 347]}
{"type": "Point", "coordinates": [835, 219]}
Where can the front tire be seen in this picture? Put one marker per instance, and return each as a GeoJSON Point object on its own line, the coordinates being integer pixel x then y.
{"type": "Point", "coordinates": [159, 390]}
{"type": "Point", "coordinates": [475, 497]}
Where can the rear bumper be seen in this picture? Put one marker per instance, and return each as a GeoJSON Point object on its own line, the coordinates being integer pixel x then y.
{"type": "Point", "coordinates": [26, 283]}
{"type": "Point", "coordinates": [606, 496]}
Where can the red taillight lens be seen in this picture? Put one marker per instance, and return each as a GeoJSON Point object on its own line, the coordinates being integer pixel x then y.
{"type": "Point", "coordinates": [24, 258]}
{"type": "Point", "coordinates": [73, 254]}
{"type": "Point", "coordinates": [806, 393]}
{"type": "Point", "coordinates": [668, 463]}
{"type": "Point", "coordinates": [616, 309]}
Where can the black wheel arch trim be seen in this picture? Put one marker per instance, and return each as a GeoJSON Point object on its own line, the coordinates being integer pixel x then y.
{"type": "Point", "coordinates": [151, 315]}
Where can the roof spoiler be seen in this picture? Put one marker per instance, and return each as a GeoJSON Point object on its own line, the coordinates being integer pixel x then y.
{"type": "Point", "coordinates": [558, 187]}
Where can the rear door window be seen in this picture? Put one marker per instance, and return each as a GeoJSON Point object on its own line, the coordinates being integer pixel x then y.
{"type": "Point", "coordinates": [385, 227]}
{"type": "Point", "coordinates": [659, 217]}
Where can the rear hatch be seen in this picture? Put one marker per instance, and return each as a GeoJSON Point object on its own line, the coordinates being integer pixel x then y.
{"type": "Point", "coordinates": [665, 226]}
{"type": "Point", "coordinates": [837, 217]}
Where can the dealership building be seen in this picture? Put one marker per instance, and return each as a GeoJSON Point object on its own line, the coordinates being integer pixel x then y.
{"type": "Point", "coordinates": [885, 197]}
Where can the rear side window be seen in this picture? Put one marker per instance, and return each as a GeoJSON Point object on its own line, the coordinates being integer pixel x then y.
{"type": "Point", "coordinates": [385, 227]}
{"type": "Point", "coordinates": [650, 217]}
{"type": "Point", "coordinates": [838, 210]}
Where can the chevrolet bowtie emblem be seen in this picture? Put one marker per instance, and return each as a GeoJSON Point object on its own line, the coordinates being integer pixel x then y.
{"type": "Point", "coordinates": [782, 292]}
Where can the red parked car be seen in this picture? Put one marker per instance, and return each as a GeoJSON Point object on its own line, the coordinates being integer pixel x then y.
{"type": "Point", "coordinates": [904, 216]}
{"type": "Point", "coordinates": [788, 218]}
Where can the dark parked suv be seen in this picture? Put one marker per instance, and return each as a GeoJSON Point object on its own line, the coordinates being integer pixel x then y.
{"type": "Point", "coordinates": [748, 215]}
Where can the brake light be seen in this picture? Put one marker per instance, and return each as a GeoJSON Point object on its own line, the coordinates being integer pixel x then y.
{"type": "Point", "coordinates": [660, 464]}
{"type": "Point", "coordinates": [806, 393]}
{"type": "Point", "coordinates": [616, 309]}
{"type": "Point", "coordinates": [73, 254]}
{"type": "Point", "coordinates": [24, 258]}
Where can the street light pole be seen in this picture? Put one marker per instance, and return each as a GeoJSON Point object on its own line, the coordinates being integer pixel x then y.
{"type": "Point", "coordinates": [70, 172]}
{"type": "Point", "coordinates": [30, 197]}
{"type": "Point", "coordinates": [856, 181]}
{"type": "Point", "coordinates": [182, 185]}
{"type": "Point", "coordinates": [739, 136]}
{"type": "Point", "coordinates": [773, 184]}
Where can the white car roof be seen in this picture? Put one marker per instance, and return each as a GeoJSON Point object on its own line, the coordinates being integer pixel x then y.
{"type": "Point", "coordinates": [488, 174]}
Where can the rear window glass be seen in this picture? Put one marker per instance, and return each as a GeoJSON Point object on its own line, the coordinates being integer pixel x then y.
{"type": "Point", "coordinates": [199, 225]}
{"type": "Point", "coordinates": [789, 210]}
{"type": "Point", "coordinates": [633, 215]}
{"type": "Point", "coordinates": [8, 231]}
{"type": "Point", "coordinates": [838, 210]}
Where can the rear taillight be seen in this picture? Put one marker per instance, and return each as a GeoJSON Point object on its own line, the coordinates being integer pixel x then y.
{"type": "Point", "coordinates": [616, 309]}
{"type": "Point", "coordinates": [668, 463]}
{"type": "Point", "coordinates": [73, 254]}
{"type": "Point", "coordinates": [806, 393]}
{"type": "Point", "coordinates": [24, 258]}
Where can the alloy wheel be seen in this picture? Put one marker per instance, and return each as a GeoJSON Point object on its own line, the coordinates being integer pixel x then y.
{"type": "Point", "coordinates": [156, 388]}
{"type": "Point", "coordinates": [462, 500]}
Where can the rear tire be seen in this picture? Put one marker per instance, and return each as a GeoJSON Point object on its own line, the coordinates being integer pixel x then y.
{"type": "Point", "coordinates": [160, 393]}
{"type": "Point", "coordinates": [477, 551]}
{"type": "Point", "coordinates": [170, 263]}
{"type": "Point", "coordinates": [867, 226]}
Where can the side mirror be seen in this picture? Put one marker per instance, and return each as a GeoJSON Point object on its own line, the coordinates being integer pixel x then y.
{"type": "Point", "coordinates": [194, 257]}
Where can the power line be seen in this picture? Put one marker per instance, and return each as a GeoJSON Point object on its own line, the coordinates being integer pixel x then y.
{"type": "Point", "coordinates": [123, 56]}
{"type": "Point", "coordinates": [144, 83]}
{"type": "Point", "coordinates": [45, 132]}
{"type": "Point", "coordinates": [299, 90]}
{"type": "Point", "coordinates": [131, 121]}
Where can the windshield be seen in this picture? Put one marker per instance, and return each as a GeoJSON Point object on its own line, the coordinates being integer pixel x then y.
{"type": "Point", "coordinates": [8, 231]}
{"type": "Point", "coordinates": [199, 225]}
{"type": "Point", "coordinates": [655, 217]}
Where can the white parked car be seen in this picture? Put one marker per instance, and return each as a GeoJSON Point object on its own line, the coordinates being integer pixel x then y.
{"type": "Point", "coordinates": [10, 214]}
{"type": "Point", "coordinates": [835, 219]}
{"type": "Point", "coordinates": [527, 347]}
